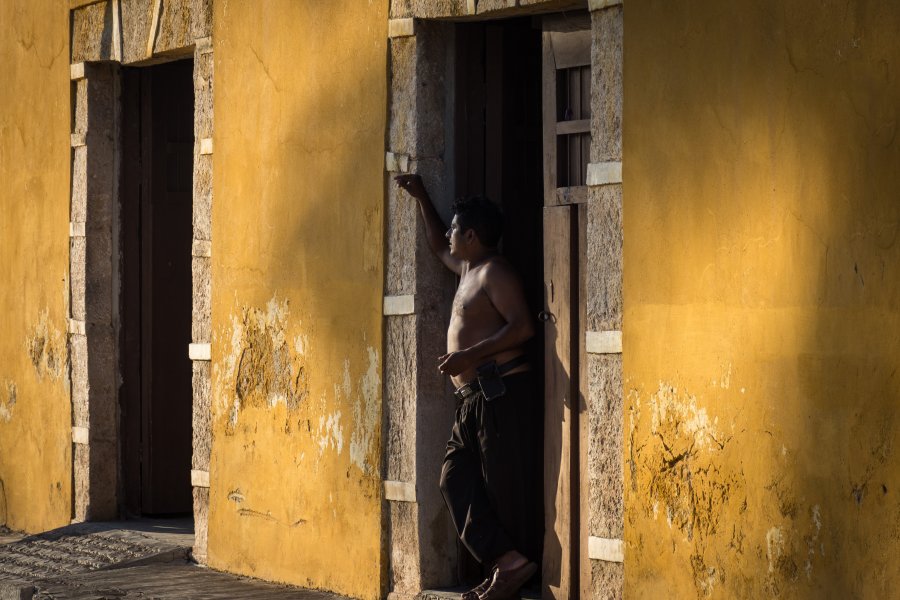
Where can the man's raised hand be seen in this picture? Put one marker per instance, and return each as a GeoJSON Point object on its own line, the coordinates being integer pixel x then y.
{"type": "Point", "coordinates": [413, 185]}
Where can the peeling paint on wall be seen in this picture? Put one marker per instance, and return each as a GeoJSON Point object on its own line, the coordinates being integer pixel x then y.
{"type": "Point", "coordinates": [46, 348]}
{"type": "Point", "coordinates": [262, 368]}
{"type": "Point", "coordinates": [365, 416]}
{"type": "Point", "coordinates": [7, 403]}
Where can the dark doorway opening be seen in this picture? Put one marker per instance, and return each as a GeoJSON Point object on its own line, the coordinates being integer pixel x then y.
{"type": "Point", "coordinates": [156, 235]}
{"type": "Point", "coordinates": [498, 153]}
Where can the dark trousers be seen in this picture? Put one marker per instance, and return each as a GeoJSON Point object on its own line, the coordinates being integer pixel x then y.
{"type": "Point", "coordinates": [492, 473]}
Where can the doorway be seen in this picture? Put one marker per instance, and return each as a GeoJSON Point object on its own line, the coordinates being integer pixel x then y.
{"type": "Point", "coordinates": [498, 154]}
{"type": "Point", "coordinates": [156, 234]}
{"type": "Point", "coordinates": [523, 139]}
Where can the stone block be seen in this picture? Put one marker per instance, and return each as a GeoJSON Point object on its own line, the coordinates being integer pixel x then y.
{"type": "Point", "coordinates": [77, 253]}
{"type": "Point", "coordinates": [80, 116]}
{"type": "Point", "coordinates": [605, 448]}
{"type": "Point", "coordinates": [97, 285]}
{"type": "Point", "coordinates": [401, 243]}
{"type": "Point", "coordinates": [404, 545]}
{"type": "Point", "coordinates": [203, 95]}
{"type": "Point", "coordinates": [402, 125]}
{"type": "Point", "coordinates": [201, 524]}
{"type": "Point", "coordinates": [606, 85]}
{"type": "Point", "coordinates": [201, 18]}
{"type": "Point", "coordinates": [202, 209]}
{"type": "Point", "coordinates": [604, 258]}
{"type": "Point", "coordinates": [92, 32]}
{"type": "Point", "coordinates": [80, 384]}
{"type": "Point", "coordinates": [175, 26]}
{"type": "Point", "coordinates": [82, 486]}
{"type": "Point", "coordinates": [400, 398]}
{"type": "Point", "coordinates": [202, 293]}
{"type": "Point", "coordinates": [102, 373]}
{"type": "Point", "coordinates": [433, 39]}
{"type": "Point", "coordinates": [103, 479]}
{"type": "Point", "coordinates": [79, 185]}
{"type": "Point", "coordinates": [428, 9]}
{"type": "Point", "coordinates": [607, 580]}
{"type": "Point", "coordinates": [201, 415]}
{"type": "Point", "coordinates": [136, 20]}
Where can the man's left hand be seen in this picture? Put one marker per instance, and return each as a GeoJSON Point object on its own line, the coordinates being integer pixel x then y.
{"type": "Point", "coordinates": [454, 363]}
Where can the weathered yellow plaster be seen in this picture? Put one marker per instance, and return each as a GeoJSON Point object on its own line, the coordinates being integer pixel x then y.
{"type": "Point", "coordinates": [35, 413]}
{"type": "Point", "coordinates": [295, 475]}
{"type": "Point", "coordinates": [762, 299]}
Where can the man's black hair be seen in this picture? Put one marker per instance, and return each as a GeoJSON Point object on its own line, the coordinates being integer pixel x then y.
{"type": "Point", "coordinates": [483, 216]}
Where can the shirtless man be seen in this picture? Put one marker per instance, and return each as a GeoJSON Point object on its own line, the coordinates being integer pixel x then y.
{"type": "Point", "coordinates": [491, 473]}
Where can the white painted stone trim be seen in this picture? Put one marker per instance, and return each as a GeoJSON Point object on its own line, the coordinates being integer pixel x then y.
{"type": "Point", "coordinates": [201, 248]}
{"type": "Point", "coordinates": [399, 305]}
{"type": "Point", "coordinates": [199, 351]}
{"type": "Point", "coordinates": [471, 7]}
{"type": "Point", "coordinates": [78, 139]}
{"type": "Point", "coordinates": [154, 26]}
{"type": "Point", "coordinates": [603, 342]}
{"type": "Point", "coordinates": [396, 163]}
{"type": "Point", "coordinates": [76, 71]}
{"type": "Point", "coordinates": [206, 146]}
{"type": "Point", "coordinates": [401, 28]}
{"type": "Point", "coordinates": [76, 327]}
{"type": "Point", "coordinates": [199, 478]}
{"type": "Point", "coordinates": [604, 173]}
{"type": "Point", "coordinates": [116, 32]}
{"type": "Point", "coordinates": [399, 491]}
{"type": "Point", "coordinates": [606, 549]}
{"type": "Point", "coordinates": [80, 435]}
{"type": "Point", "coordinates": [76, 229]}
{"type": "Point", "coordinates": [601, 4]}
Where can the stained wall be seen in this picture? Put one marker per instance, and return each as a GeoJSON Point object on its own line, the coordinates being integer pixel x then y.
{"type": "Point", "coordinates": [35, 413]}
{"type": "Point", "coordinates": [761, 299]}
{"type": "Point", "coordinates": [297, 274]}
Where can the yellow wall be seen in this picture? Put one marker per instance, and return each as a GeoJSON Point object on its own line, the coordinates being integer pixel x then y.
{"type": "Point", "coordinates": [300, 104]}
{"type": "Point", "coordinates": [762, 299]}
{"type": "Point", "coordinates": [35, 413]}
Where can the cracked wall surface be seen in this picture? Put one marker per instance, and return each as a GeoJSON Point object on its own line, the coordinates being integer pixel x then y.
{"type": "Point", "coordinates": [35, 427]}
{"type": "Point", "coordinates": [297, 275]}
{"type": "Point", "coordinates": [761, 300]}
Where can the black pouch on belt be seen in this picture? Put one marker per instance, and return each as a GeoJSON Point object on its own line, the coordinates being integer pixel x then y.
{"type": "Point", "coordinates": [489, 379]}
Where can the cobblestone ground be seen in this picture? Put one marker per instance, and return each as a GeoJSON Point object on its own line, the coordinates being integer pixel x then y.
{"type": "Point", "coordinates": [132, 560]}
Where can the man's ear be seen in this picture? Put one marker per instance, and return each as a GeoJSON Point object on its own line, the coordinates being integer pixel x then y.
{"type": "Point", "coordinates": [469, 236]}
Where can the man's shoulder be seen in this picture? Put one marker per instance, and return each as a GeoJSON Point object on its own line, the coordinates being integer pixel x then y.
{"type": "Point", "coordinates": [498, 267]}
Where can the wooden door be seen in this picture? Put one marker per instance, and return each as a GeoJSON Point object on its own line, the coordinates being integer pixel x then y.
{"type": "Point", "coordinates": [566, 123]}
{"type": "Point", "coordinates": [157, 173]}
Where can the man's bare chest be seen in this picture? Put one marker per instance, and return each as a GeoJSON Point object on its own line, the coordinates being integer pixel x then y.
{"type": "Point", "coordinates": [471, 301]}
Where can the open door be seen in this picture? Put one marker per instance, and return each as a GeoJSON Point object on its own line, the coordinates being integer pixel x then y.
{"type": "Point", "coordinates": [157, 184]}
{"type": "Point", "coordinates": [566, 124]}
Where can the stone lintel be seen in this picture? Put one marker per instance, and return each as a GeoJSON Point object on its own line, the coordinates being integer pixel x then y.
{"type": "Point", "coordinates": [601, 4]}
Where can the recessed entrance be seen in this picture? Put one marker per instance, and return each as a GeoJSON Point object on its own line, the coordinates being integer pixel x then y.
{"type": "Point", "coordinates": [156, 220]}
{"type": "Point", "coordinates": [498, 145]}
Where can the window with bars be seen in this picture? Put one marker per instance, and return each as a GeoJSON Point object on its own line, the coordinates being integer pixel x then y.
{"type": "Point", "coordinates": [573, 125]}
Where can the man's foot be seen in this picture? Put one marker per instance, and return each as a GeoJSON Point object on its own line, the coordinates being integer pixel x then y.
{"type": "Point", "coordinates": [506, 584]}
{"type": "Point", "coordinates": [479, 589]}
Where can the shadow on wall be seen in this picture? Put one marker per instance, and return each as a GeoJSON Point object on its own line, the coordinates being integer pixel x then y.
{"type": "Point", "coordinates": [768, 445]}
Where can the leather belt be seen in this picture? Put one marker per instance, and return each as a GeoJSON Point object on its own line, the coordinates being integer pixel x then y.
{"type": "Point", "coordinates": [473, 387]}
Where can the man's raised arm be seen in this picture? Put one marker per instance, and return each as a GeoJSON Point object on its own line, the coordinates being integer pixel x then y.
{"type": "Point", "coordinates": [434, 227]}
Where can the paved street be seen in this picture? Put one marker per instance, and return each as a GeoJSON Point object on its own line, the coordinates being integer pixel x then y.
{"type": "Point", "coordinates": [133, 560]}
